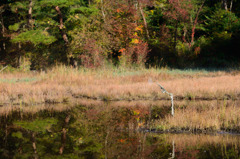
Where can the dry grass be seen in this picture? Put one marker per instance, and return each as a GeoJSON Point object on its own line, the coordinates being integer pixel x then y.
{"type": "Point", "coordinates": [204, 116]}
{"type": "Point", "coordinates": [62, 84]}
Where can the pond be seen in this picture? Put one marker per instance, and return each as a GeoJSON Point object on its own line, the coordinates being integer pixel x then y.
{"type": "Point", "coordinates": [104, 130]}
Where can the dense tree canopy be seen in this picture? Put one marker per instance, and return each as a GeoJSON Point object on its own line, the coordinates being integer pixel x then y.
{"type": "Point", "coordinates": [92, 33]}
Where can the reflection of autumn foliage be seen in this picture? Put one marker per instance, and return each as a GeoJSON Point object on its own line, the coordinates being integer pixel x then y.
{"type": "Point", "coordinates": [189, 154]}
{"type": "Point", "coordinates": [132, 146]}
{"type": "Point", "coordinates": [92, 114]}
{"type": "Point", "coordinates": [121, 141]}
{"type": "Point", "coordinates": [113, 124]}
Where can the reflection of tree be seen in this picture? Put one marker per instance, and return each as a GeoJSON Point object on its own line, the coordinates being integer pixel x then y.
{"type": "Point", "coordinates": [162, 149]}
{"type": "Point", "coordinates": [64, 134]}
{"type": "Point", "coordinates": [94, 132]}
{"type": "Point", "coordinates": [35, 156]}
{"type": "Point", "coordinates": [24, 139]}
{"type": "Point", "coordinates": [91, 133]}
{"type": "Point", "coordinates": [218, 151]}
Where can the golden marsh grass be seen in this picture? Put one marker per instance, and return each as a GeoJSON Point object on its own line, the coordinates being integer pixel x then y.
{"type": "Point", "coordinates": [203, 116]}
{"type": "Point", "coordinates": [62, 84]}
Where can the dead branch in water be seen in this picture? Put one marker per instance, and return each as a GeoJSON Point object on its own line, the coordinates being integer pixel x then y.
{"type": "Point", "coordinates": [170, 94]}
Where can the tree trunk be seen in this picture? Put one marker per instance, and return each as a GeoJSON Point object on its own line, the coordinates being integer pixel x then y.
{"type": "Point", "coordinates": [231, 4]}
{"type": "Point", "coordinates": [102, 9]}
{"type": "Point", "coordinates": [64, 134]}
{"type": "Point", "coordinates": [175, 36]}
{"type": "Point", "coordinates": [19, 62]}
{"type": "Point", "coordinates": [30, 9]}
{"type": "Point", "coordinates": [135, 3]}
{"type": "Point", "coordinates": [184, 34]}
{"type": "Point", "coordinates": [144, 21]}
{"type": "Point", "coordinates": [61, 26]}
{"type": "Point", "coordinates": [3, 26]}
{"type": "Point", "coordinates": [224, 2]}
{"type": "Point", "coordinates": [195, 23]}
{"type": "Point", "coordinates": [2, 22]}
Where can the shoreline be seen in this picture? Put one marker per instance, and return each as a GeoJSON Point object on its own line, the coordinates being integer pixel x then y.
{"type": "Point", "coordinates": [199, 131]}
{"type": "Point", "coordinates": [79, 97]}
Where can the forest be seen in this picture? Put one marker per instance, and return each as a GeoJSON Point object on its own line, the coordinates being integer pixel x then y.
{"type": "Point", "coordinates": [36, 34]}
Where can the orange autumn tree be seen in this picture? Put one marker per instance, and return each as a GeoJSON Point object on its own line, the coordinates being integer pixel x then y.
{"type": "Point", "coordinates": [115, 35]}
{"type": "Point", "coordinates": [123, 22]}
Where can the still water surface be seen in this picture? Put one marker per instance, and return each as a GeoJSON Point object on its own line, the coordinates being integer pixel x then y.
{"type": "Point", "coordinates": [102, 132]}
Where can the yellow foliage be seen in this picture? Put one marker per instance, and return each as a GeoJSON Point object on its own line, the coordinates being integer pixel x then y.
{"type": "Point", "coordinates": [139, 28]}
{"type": "Point", "coordinates": [135, 41]}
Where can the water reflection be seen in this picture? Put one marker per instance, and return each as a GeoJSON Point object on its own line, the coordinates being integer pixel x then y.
{"type": "Point", "coordinates": [103, 131]}
{"type": "Point", "coordinates": [205, 146]}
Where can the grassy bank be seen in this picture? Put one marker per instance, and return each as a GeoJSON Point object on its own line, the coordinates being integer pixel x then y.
{"type": "Point", "coordinates": [62, 84]}
{"type": "Point", "coordinates": [203, 117]}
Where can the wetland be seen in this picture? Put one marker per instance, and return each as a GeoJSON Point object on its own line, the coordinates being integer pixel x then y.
{"type": "Point", "coordinates": [114, 113]}
{"type": "Point", "coordinates": [142, 129]}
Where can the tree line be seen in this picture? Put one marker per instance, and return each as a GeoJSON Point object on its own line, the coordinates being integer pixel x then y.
{"type": "Point", "coordinates": [93, 33]}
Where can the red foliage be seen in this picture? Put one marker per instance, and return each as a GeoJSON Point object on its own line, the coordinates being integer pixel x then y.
{"type": "Point", "coordinates": [197, 50]}
{"type": "Point", "coordinates": [122, 23]}
{"type": "Point", "coordinates": [179, 9]}
{"type": "Point", "coordinates": [93, 55]}
{"type": "Point", "coordinates": [138, 52]}
{"type": "Point", "coordinates": [123, 26]}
